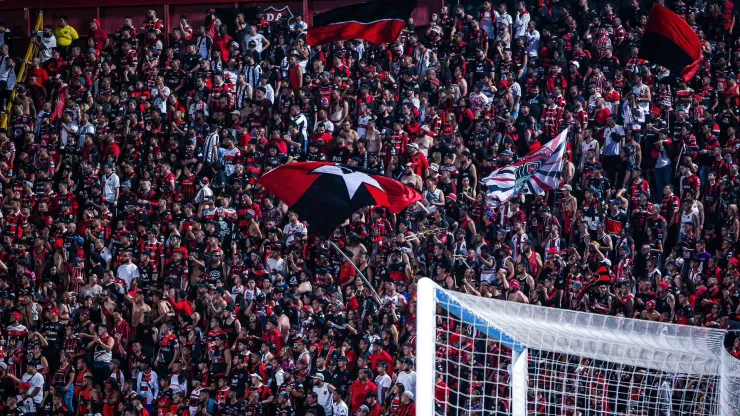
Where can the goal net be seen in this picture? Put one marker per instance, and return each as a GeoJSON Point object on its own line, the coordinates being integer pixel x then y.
{"type": "Point", "coordinates": [480, 356]}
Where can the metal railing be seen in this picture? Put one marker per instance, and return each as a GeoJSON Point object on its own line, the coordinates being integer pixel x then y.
{"type": "Point", "coordinates": [31, 52]}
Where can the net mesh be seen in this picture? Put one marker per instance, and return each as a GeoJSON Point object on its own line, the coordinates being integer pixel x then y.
{"type": "Point", "coordinates": [504, 358]}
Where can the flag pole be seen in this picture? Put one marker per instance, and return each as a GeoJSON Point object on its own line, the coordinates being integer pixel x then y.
{"type": "Point", "coordinates": [362, 276]}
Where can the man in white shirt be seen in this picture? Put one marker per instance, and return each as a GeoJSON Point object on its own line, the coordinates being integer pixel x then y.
{"type": "Point", "coordinates": [46, 41]}
{"type": "Point", "coordinates": [383, 381]}
{"type": "Point", "coordinates": [407, 376]}
{"type": "Point", "coordinates": [68, 128]}
{"type": "Point", "coordinates": [5, 35]}
{"type": "Point", "coordinates": [128, 271]}
{"type": "Point", "coordinates": [323, 393]}
{"type": "Point", "coordinates": [300, 120]}
{"type": "Point", "coordinates": [503, 19]}
{"type": "Point", "coordinates": [204, 44]}
{"type": "Point", "coordinates": [293, 227]}
{"type": "Point", "coordinates": [85, 128]}
{"type": "Point", "coordinates": [522, 20]}
{"type": "Point", "coordinates": [338, 406]}
{"type": "Point", "coordinates": [275, 262]}
{"type": "Point", "coordinates": [260, 41]}
{"type": "Point", "coordinates": [211, 146]}
{"type": "Point", "coordinates": [111, 184]}
{"type": "Point", "coordinates": [532, 38]}
{"type": "Point", "coordinates": [613, 137]}
{"type": "Point", "coordinates": [36, 381]}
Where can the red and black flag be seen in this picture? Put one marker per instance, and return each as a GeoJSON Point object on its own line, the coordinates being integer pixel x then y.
{"type": "Point", "coordinates": [670, 41]}
{"type": "Point", "coordinates": [325, 194]}
{"type": "Point", "coordinates": [377, 21]}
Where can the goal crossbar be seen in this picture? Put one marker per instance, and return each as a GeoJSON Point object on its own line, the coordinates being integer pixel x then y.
{"type": "Point", "coordinates": [668, 348]}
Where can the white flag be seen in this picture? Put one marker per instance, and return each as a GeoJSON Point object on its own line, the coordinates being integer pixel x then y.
{"type": "Point", "coordinates": [533, 174]}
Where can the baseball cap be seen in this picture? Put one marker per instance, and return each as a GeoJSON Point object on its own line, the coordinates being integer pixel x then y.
{"type": "Point", "coordinates": [318, 376]}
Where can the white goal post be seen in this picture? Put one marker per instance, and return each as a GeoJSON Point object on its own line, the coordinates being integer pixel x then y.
{"type": "Point", "coordinates": [481, 356]}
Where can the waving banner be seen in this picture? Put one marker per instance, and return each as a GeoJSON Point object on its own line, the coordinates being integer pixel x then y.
{"type": "Point", "coordinates": [533, 174]}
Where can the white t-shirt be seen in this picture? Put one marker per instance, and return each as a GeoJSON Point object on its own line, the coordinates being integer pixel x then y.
{"type": "Point", "coordinates": [339, 409]}
{"type": "Point", "coordinates": [277, 264]}
{"type": "Point", "coordinates": [408, 380]}
{"type": "Point", "coordinates": [384, 384]}
{"type": "Point", "coordinates": [533, 43]}
{"type": "Point", "coordinates": [37, 380]}
{"type": "Point", "coordinates": [73, 129]}
{"type": "Point", "coordinates": [127, 273]}
{"type": "Point", "coordinates": [110, 185]}
{"type": "Point", "coordinates": [612, 140]}
{"type": "Point", "coordinates": [324, 398]}
{"type": "Point", "coordinates": [49, 44]}
{"type": "Point", "coordinates": [520, 24]}
{"type": "Point", "coordinates": [258, 39]}
{"type": "Point", "coordinates": [291, 229]}
{"type": "Point", "coordinates": [503, 20]}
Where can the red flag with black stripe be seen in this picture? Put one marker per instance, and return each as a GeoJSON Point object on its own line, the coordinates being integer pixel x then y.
{"type": "Point", "coordinates": [325, 194]}
{"type": "Point", "coordinates": [670, 41]}
{"type": "Point", "coordinates": [378, 21]}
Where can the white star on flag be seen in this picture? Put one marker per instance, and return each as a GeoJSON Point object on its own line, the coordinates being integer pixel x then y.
{"type": "Point", "coordinates": [353, 180]}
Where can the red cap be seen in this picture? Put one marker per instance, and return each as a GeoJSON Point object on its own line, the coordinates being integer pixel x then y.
{"type": "Point", "coordinates": [15, 315]}
{"type": "Point", "coordinates": [664, 285]}
{"type": "Point", "coordinates": [651, 304]}
{"type": "Point", "coordinates": [656, 111]}
{"type": "Point", "coordinates": [54, 310]}
{"type": "Point", "coordinates": [552, 250]}
{"type": "Point", "coordinates": [514, 284]}
{"type": "Point", "coordinates": [735, 262]}
{"type": "Point", "coordinates": [97, 22]}
{"type": "Point", "coordinates": [25, 386]}
{"type": "Point", "coordinates": [698, 97]}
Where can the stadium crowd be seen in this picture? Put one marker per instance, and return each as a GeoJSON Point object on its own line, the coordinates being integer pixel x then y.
{"type": "Point", "coordinates": [144, 271]}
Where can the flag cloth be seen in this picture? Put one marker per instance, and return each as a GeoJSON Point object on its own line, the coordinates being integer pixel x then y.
{"type": "Point", "coordinates": [533, 174]}
{"type": "Point", "coordinates": [378, 21]}
{"type": "Point", "coordinates": [325, 194]}
{"type": "Point", "coordinates": [670, 41]}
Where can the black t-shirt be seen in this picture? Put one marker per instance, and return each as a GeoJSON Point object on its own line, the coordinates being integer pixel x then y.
{"type": "Point", "coordinates": [239, 380]}
{"type": "Point", "coordinates": [341, 378]}
{"type": "Point", "coordinates": [54, 333]}
{"type": "Point", "coordinates": [316, 410]}
{"type": "Point", "coordinates": [235, 409]}
{"type": "Point", "coordinates": [7, 387]}
{"type": "Point", "coordinates": [284, 411]}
